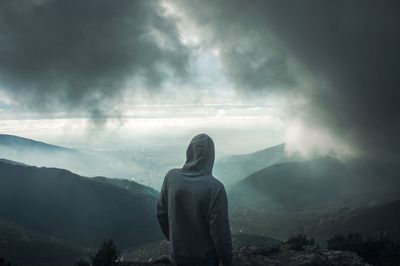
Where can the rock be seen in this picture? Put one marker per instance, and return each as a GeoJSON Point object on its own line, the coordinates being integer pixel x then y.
{"type": "Point", "coordinates": [258, 255]}
{"type": "Point", "coordinates": [160, 261]}
{"type": "Point", "coordinates": [279, 256]}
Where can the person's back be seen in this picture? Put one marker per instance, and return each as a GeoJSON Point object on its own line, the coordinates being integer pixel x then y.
{"type": "Point", "coordinates": [193, 209]}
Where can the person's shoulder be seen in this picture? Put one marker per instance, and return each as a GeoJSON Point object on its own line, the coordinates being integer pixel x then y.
{"type": "Point", "coordinates": [216, 184]}
{"type": "Point", "coordinates": [172, 173]}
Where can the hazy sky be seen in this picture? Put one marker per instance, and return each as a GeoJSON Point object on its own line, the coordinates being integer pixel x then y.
{"type": "Point", "coordinates": [322, 76]}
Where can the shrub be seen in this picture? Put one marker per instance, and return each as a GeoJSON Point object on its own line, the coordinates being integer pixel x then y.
{"type": "Point", "coordinates": [378, 251]}
{"type": "Point", "coordinates": [82, 263]}
{"type": "Point", "coordinates": [298, 242]}
{"type": "Point", "coordinates": [108, 255]}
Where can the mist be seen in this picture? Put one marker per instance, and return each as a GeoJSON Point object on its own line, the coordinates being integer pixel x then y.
{"type": "Point", "coordinates": [99, 101]}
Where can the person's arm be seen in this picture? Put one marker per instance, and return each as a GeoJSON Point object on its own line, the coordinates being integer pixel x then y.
{"type": "Point", "coordinates": [162, 209]}
{"type": "Point", "coordinates": [219, 226]}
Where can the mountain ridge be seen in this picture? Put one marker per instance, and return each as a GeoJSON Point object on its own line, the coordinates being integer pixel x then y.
{"type": "Point", "coordinates": [22, 142]}
{"type": "Point", "coordinates": [59, 203]}
{"type": "Point", "coordinates": [310, 183]}
{"type": "Point", "coordinates": [232, 169]}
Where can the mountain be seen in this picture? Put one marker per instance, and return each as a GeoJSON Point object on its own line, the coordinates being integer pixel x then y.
{"type": "Point", "coordinates": [318, 183]}
{"type": "Point", "coordinates": [20, 143]}
{"type": "Point", "coordinates": [12, 162]}
{"type": "Point", "coordinates": [232, 169]}
{"type": "Point", "coordinates": [128, 185]}
{"type": "Point", "coordinates": [139, 165]}
{"type": "Point", "coordinates": [291, 185]}
{"type": "Point", "coordinates": [38, 153]}
{"type": "Point", "coordinates": [61, 204]}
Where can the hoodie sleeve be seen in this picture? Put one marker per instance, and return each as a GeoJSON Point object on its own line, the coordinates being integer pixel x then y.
{"type": "Point", "coordinates": [162, 209]}
{"type": "Point", "coordinates": [219, 226]}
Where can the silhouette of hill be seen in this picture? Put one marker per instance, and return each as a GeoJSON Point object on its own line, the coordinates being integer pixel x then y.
{"type": "Point", "coordinates": [21, 143]}
{"type": "Point", "coordinates": [70, 207]}
{"type": "Point", "coordinates": [131, 186]}
{"type": "Point", "coordinates": [383, 218]}
{"type": "Point", "coordinates": [37, 153]}
{"type": "Point", "coordinates": [141, 165]}
{"type": "Point", "coordinates": [316, 183]}
{"type": "Point", "coordinates": [12, 162]}
{"type": "Point", "coordinates": [232, 169]}
{"type": "Point", "coordinates": [292, 185]}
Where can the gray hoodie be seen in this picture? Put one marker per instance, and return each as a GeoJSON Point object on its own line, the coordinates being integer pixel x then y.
{"type": "Point", "coordinates": [193, 209]}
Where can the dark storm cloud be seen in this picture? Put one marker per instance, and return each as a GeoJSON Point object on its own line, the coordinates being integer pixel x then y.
{"type": "Point", "coordinates": [79, 54]}
{"type": "Point", "coordinates": [352, 46]}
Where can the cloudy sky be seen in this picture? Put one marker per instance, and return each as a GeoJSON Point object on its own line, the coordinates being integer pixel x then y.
{"type": "Point", "coordinates": [322, 76]}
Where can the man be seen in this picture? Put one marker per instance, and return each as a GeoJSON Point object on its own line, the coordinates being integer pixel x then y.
{"type": "Point", "coordinates": [193, 210]}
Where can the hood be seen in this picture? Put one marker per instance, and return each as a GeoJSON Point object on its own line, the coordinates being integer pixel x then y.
{"type": "Point", "coordinates": [200, 155]}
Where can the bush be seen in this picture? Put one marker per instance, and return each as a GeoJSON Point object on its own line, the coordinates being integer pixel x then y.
{"type": "Point", "coordinates": [82, 263]}
{"type": "Point", "coordinates": [298, 242]}
{"type": "Point", "coordinates": [378, 251]}
{"type": "Point", "coordinates": [108, 255]}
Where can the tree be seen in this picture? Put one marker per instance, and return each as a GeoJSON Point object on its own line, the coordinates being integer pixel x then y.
{"type": "Point", "coordinates": [298, 242]}
{"type": "Point", "coordinates": [108, 255]}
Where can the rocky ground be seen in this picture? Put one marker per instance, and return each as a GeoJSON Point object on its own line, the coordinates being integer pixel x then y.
{"type": "Point", "coordinates": [280, 256]}
{"type": "Point", "coordinates": [257, 256]}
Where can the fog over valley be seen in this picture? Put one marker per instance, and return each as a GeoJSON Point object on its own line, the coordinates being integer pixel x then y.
{"type": "Point", "coordinates": [99, 100]}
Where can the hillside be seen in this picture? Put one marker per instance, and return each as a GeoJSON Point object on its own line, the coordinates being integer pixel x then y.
{"type": "Point", "coordinates": [24, 247]}
{"type": "Point", "coordinates": [21, 143]}
{"type": "Point", "coordinates": [316, 183]}
{"type": "Point", "coordinates": [70, 207]}
{"type": "Point", "coordinates": [320, 198]}
{"type": "Point", "coordinates": [383, 218]}
{"type": "Point", "coordinates": [131, 186]}
{"type": "Point", "coordinates": [293, 185]}
{"type": "Point", "coordinates": [37, 153]}
{"type": "Point", "coordinates": [232, 169]}
{"type": "Point", "coordinates": [146, 167]}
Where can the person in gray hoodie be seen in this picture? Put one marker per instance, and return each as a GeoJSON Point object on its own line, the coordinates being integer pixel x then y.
{"type": "Point", "coordinates": [193, 210]}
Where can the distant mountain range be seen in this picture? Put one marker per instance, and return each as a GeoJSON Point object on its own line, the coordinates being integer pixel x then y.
{"type": "Point", "coordinates": [62, 205]}
{"type": "Point", "coordinates": [232, 169]}
{"type": "Point", "coordinates": [38, 153]}
{"type": "Point", "coordinates": [21, 143]}
{"type": "Point", "coordinates": [128, 164]}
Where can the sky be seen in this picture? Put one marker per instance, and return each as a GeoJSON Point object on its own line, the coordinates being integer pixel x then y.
{"type": "Point", "coordinates": [321, 76]}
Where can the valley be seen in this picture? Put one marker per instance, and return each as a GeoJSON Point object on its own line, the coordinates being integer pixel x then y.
{"type": "Point", "coordinates": [272, 197]}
